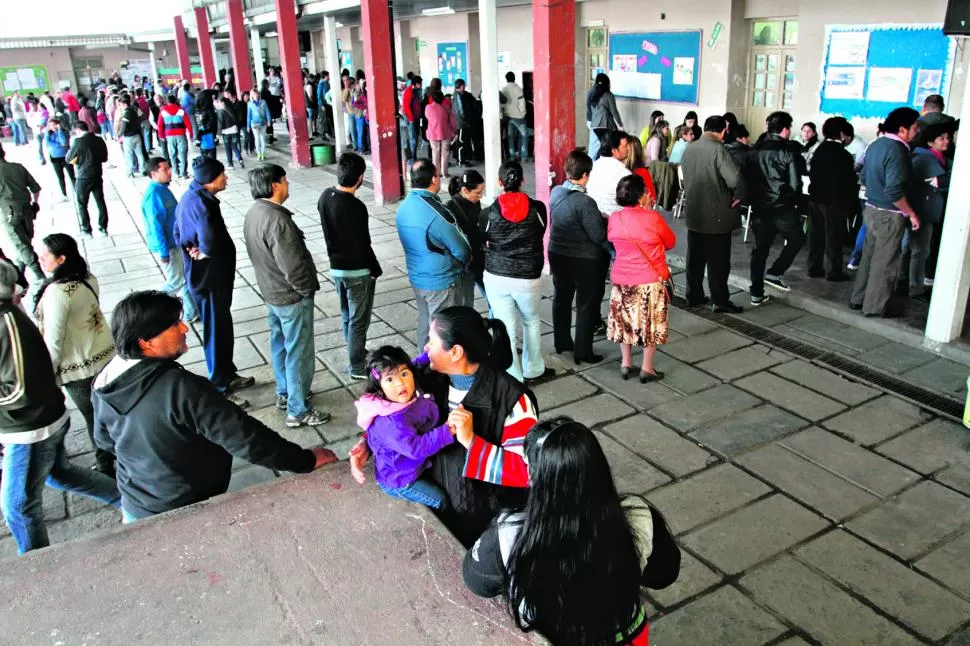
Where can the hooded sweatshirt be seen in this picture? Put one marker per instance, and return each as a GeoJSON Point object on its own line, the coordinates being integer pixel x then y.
{"type": "Point", "coordinates": [402, 436]}
{"type": "Point", "coordinates": [175, 436]}
{"type": "Point", "coordinates": [513, 228]}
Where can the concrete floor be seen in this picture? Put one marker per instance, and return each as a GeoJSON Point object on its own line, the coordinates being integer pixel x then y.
{"type": "Point", "coordinates": [810, 508]}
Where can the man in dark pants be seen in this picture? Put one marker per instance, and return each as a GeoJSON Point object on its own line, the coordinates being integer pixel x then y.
{"type": "Point", "coordinates": [712, 186]}
{"type": "Point", "coordinates": [88, 152]}
{"type": "Point", "coordinates": [835, 198]}
{"type": "Point", "coordinates": [773, 175]}
{"type": "Point", "coordinates": [209, 256]}
{"type": "Point", "coordinates": [19, 193]}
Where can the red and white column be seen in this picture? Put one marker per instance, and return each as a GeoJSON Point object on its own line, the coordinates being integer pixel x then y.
{"type": "Point", "coordinates": [381, 89]}
{"type": "Point", "coordinates": [182, 50]}
{"type": "Point", "coordinates": [239, 47]}
{"type": "Point", "coordinates": [209, 77]}
{"type": "Point", "coordinates": [293, 82]}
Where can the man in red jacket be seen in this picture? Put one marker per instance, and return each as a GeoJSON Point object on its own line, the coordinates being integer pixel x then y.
{"type": "Point", "coordinates": [413, 111]}
{"type": "Point", "coordinates": [175, 127]}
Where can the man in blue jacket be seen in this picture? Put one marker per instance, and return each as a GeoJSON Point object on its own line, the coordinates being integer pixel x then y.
{"type": "Point", "coordinates": [158, 208]}
{"type": "Point", "coordinates": [435, 249]}
{"type": "Point", "coordinates": [326, 110]}
{"type": "Point", "coordinates": [209, 255]}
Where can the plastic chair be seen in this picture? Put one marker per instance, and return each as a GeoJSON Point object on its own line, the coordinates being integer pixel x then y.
{"type": "Point", "coordinates": [679, 204]}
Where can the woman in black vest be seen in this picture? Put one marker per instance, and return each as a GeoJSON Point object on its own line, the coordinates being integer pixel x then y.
{"type": "Point", "coordinates": [512, 229]}
{"type": "Point", "coordinates": [466, 192]}
{"type": "Point", "coordinates": [484, 471]}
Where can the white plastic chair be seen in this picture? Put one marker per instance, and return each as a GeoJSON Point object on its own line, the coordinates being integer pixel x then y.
{"type": "Point", "coordinates": [679, 204]}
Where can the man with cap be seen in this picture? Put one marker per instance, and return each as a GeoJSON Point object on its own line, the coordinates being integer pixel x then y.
{"type": "Point", "coordinates": [33, 424]}
{"type": "Point", "coordinates": [19, 193]}
{"type": "Point", "coordinates": [209, 256]}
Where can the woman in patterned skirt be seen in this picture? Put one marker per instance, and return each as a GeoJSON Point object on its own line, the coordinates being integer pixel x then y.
{"type": "Point", "coordinates": [639, 298]}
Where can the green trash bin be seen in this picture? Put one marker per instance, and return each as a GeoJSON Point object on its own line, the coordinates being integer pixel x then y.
{"type": "Point", "coordinates": [322, 154]}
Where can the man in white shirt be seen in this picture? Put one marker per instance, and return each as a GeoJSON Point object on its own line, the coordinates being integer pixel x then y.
{"type": "Point", "coordinates": [607, 172]}
{"type": "Point", "coordinates": [513, 107]}
{"type": "Point", "coordinates": [855, 145]}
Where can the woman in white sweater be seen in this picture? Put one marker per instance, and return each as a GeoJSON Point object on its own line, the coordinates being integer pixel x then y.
{"type": "Point", "coordinates": [76, 333]}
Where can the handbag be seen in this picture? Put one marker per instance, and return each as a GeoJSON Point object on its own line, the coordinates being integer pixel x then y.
{"type": "Point", "coordinates": [667, 282]}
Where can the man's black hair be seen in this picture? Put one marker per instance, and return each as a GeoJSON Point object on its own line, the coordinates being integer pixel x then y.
{"type": "Point", "coordinates": [778, 121]}
{"type": "Point", "coordinates": [422, 173]}
{"type": "Point", "coordinates": [900, 118]}
{"type": "Point", "coordinates": [350, 168]}
{"type": "Point", "coordinates": [262, 178]}
{"type": "Point", "coordinates": [155, 163]}
{"type": "Point", "coordinates": [715, 123]}
{"type": "Point", "coordinates": [142, 316]}
{"type": "Point", "coordinates": [510, 77]}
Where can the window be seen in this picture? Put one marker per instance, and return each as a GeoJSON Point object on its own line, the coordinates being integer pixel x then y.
{"type": "Point", "coordinates": [90, 62]}
{"type": "Point", "coordinates": [791, 32]}
{"type": "Point", "coordinates": [774, 32]}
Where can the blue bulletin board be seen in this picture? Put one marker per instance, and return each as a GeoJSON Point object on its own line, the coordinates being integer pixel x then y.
{"type": "Point", "coordinates": [871, 69]}
{"type": "Point", "coordinates": [656, 66]}
{"type": "Point", "coordinates": [452, 64]}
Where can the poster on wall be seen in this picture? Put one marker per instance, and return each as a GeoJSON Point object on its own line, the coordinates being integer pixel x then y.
{"type": "Point", "coordinates": [25, 78]}
{"type": "Point", "coordinates": [504, 62]}
{"type": "Point", "coordinates": [642, 85]}
{"type": "Point", "coordinates": [140, 67]}
{"type": "Point", "coordinates": [452, 64]}
{"type": "Point", "coordinates": [683, 71]}
{"type": "Point", "coordinates": [624, 63]}
{"type": "Point", "coordinates": [889, 84]}
{"type": "Point", "coordinates": [347, 61]}
{"type": "Point", "coordinates": [845, 82]}
{"type": "Point", "coordinates": [849, 48]}
{"type": "Point", "coordinates": [927, 82]}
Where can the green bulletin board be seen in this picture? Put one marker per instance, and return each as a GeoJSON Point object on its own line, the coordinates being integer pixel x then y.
{"type": "Point", "coordinates": [26, 78]}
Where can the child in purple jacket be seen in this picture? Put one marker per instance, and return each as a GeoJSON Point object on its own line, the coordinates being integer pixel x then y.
{"type": "Point", "coordinates": [400, 427]}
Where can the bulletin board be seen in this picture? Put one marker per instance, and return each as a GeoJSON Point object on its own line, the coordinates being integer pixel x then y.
{"type": "Point", "coordinates": [26, 78]}
{"type": "Point", "coordinates": [871, 69]}
{"type": "Point", "coordinates": [656, 66]}
{"type": "Point", "coordinates": [452, 64]}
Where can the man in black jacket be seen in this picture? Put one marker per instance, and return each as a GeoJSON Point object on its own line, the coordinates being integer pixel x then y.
{"type": "Point", "coordinates": [89, 152]}
{"type": "Point", "coordinates": [353, 265]}
{"type": "Point", "coordinates": [173, 433]}
{"type": "Point", "coordinates": [129, 132]}
{"type": "Point", "coordinates": [773, 174]}
{"type": "Point", "coordinates": [19, 192]}
{"type": "Point", "coordinates": [834, 189]}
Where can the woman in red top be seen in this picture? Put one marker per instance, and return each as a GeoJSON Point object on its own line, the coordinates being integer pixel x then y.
{"type": "Point", "coordinates": [635, 162]}
{"type": "Point", "coordinates": [639, 299]}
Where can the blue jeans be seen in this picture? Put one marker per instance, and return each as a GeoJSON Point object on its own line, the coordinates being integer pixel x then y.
{"type": "Point", "coordinates": [108, 128]}
{"type": "Point", "coordinates": [361, 126]}
{"type": "Point", "coordinates": [356, 302]}
{"type": "Point", "coordinates": [26, 468]}
{"type": "Point", "coordinates": [518, 125]}
{"type": "Point", "coordinates": [413, 133]}
{"type": "Point", "coordinates": [860, 241]}
{"type": "Point", "coordinates": [291, 344]}
{"type": "Point", "coordinates": [40, 148]}
{"type": "Point", "coordinates": [217, 335]}
{"type": "Point", "coordinates": [134, 154]}
{"type": "Point", "coordinates": [593, 149]}
{"type": "Point", "coordinates": [505, 304]}
{"type": "Point", "coordinates": [232, 143]}
{"type": "Point", "coordinates": [146, 135]}
{"type": "Point", "coordinates": [420, 491]}
{"type": "Point", "coordinates": [351, 128]}
{"type": "Point", "coordinates": [19, 131]}
{"type": "Point", "coordinates": [175, 283]}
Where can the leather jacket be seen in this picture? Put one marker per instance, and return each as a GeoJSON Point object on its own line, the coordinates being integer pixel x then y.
{"type": "Point", "coordinates": [773, 173]}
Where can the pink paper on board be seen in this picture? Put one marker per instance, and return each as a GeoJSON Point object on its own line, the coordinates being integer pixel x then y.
{"type": "Point", "coordinates": [649, 47]}
{"type": "Point", "coordinates": [665, 61]}
{"type": "Point", "coordinates": [642, 61]}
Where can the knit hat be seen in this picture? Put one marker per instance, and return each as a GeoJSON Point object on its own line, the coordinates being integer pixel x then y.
{"type": "Point", "coordinates": [206, 169]}
{"type": "Point", "coordinates": [8, 280]}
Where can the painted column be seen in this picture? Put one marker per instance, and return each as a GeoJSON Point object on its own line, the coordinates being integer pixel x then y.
{"type": "Point", "coordinates": [491, 115]}
{"type": "Point", "coordinates": [378, 62]}
{"type": "Point", "coordinates": [258, 63]}
{"type": "Point", "coordinates": [293, 82]}
{"type": "Point", "coordinates": [554, 89]}
{"type": "Point", "coordinates": [333, 66]}
{"type": "Point", "coordinates": [182, 50]}
{"type": "Point", "coordinates": [952, 281]}
{"type": "Point", "coordinates": [238, 51]}
{"type": "Point", "coordinates": [209, 77]}
{"type": "Point", "coordinates": [154, 63]}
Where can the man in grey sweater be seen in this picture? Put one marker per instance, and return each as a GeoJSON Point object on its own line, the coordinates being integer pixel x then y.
{"type": "Point", "coordinates": [287, 279]}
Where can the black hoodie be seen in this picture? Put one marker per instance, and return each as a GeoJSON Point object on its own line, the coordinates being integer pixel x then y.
{"type": "Point", "coordinates": [174, 435]}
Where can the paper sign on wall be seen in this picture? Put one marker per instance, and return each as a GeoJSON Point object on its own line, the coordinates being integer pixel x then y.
{"type": "Point", "coordinates": [845, 82]}
{"type": "Point", "coordinates": [927, 82]}
{"type": "Point", "coordinates": [683, 71]}
{"type": "Point", "coordinates": [624, 63]}
{"type": "Point", "coordinates": [645, 86]}
{"type": "Point", "coordinates": [649, 47]}
{"type": "Point", "coordinates": [849, 48]}
{"type": "Point", "coordinates": [889, 84]}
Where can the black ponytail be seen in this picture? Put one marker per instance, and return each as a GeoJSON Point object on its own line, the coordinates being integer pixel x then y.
{"type": "Point", "coordinates": [511, 175]}
{"type": "Point", "coordinates": [468, 180]}
{"type": "Point", "coordinates": [484, 340]}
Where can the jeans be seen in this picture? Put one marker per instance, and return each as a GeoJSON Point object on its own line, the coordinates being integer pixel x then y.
{"type": "Point", "coordinates": [178, 153]}
{"type": "Point", "coordinates": [912, 264]}
{"type": "Point", "coordinates": [57, 163]}
{"type": "Point", "coordinates": [429, 302]}
{"type": "Point", "coordinates": [146, 136]}
{"type": "Point", "coordinates": [593, 149]}
{"type": "Point", "coordinates": [259, 139]}
{"type": "Point", "coordinates": [231, 142]}
{"type": "Point", "coordinates": [424, 492]}
{"type": "Point", "coordinates": [414, 131]}
{"type": "Point", "coordinates": [19, 132]}
{"type": "Point", "coordinates": [586, 279]}
{"type": "Point", "coordinates": [769, 224]}
{"type": "Point", "coordinates": [26, 468]}
{"type": "Point", "coordinates": [134, 155]}
{"type": "Point", "coordinates": [860, 241]}
{"type": "Point", "coordinates": [175, 283]}
{"type": "Point", "coordinates": [468, 282]}
{"type": "Point", "coordinates": [350, 127]}
{"type": "Point", "coordinates": [291, 344]}
{"type": "Point", "coordinates": [217, 335]}
{"type": "Point", "coordinates": [84, 187]}
{"type": "Point", "coordinates": [880, 260]}
{"type": "Point", "coordinates": [361, 124]}
{"type": "Point", "coordinates": [356, 303]}
{"type": "Point", "coordinates": [108, 128]}
{"type": "Point", "coordinates": [16, 234]}
{"type": "Point", "coordinates": [80, 393]}
{"type": "Point", "coordinates": [518, 125]}
{"type": "Point", "coordinates": [504, 304]}
{"type": "Point", "coordinates": [39, 138]}
{"type": "Point", "coordinates": [440, 151]}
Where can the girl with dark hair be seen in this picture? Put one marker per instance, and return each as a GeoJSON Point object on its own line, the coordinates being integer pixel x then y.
{"type": "Point", "coordinates": [513, 229]}
{"type": "Point", "coordinates": [74, 329]}
{"type": "Point", "coordinates": [690, 119]}
{"type": "Point", "coordinates": [466, 191]}
{"type": "Point", "coordinates": [441, 129]}
{"type": "Point", "coordinates": [810, 142]}
{"type": "Point", "coordinates": [572, 563]}
{"type": "Point", "coordinates": [604, 116]}
{"type": "Point", "coordinates": [655, 116]}
{"type": "Point", "coordinates": [733, 126]}
{"type": "Point", "coordinates": [635, 164]}
{"type": "Point", "coordinates": [401, 429]}
{"type": "Point", "coordinates": [656, 147]}
{"type": "Point", "coordinates": [490, 411]}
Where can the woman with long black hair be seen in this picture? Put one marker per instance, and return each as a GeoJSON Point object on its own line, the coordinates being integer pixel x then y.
{"type": "Point", "coordinates": [466, 191]}
{"type": "Point", "coordinates": [604, 116]}
{"type": "Point", "coordinates": [483, 472]}
{"type": "Point", "coordinates": [74, 328]}
{"type": "Point", "coordinates": [571, 564]}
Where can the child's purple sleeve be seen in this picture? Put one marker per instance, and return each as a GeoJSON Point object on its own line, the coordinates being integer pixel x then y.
{"type": "Point", "coordinates": [421, 361]}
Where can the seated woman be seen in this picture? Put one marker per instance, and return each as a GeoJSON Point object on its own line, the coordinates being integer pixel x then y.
{"type": "Point", "coordinates": [572, 563]}
{"type": "Point", "coordinates": [490, 411]}
{"type": "Point", "coordinates": [635, 163]}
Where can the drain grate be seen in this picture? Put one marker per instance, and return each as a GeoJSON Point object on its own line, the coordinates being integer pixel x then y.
{"type": "Point", "coordinates": [923, 397]}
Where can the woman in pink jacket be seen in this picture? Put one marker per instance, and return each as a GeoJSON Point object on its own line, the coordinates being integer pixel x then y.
{"type": "Point", "coordinates": [441, 130]}
{"type": "Point", "coordinates": [639, 298]}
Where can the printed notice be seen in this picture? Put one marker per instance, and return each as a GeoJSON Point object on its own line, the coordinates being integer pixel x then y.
{"type": "Point", "coordinates": [632, 84]}
{"type": "Point", "coordinates": [927, 82]}
{"type": "Point", "coordinates": [624, 63]}
{"type": "Point", "coordinates": [849, 48]}
{"type": "Point", "coordinates": [889, 84]}
{"type": "Point", "coordinates": [845, 82]}
{"type": "Point", "coordinates": [683, 71]}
